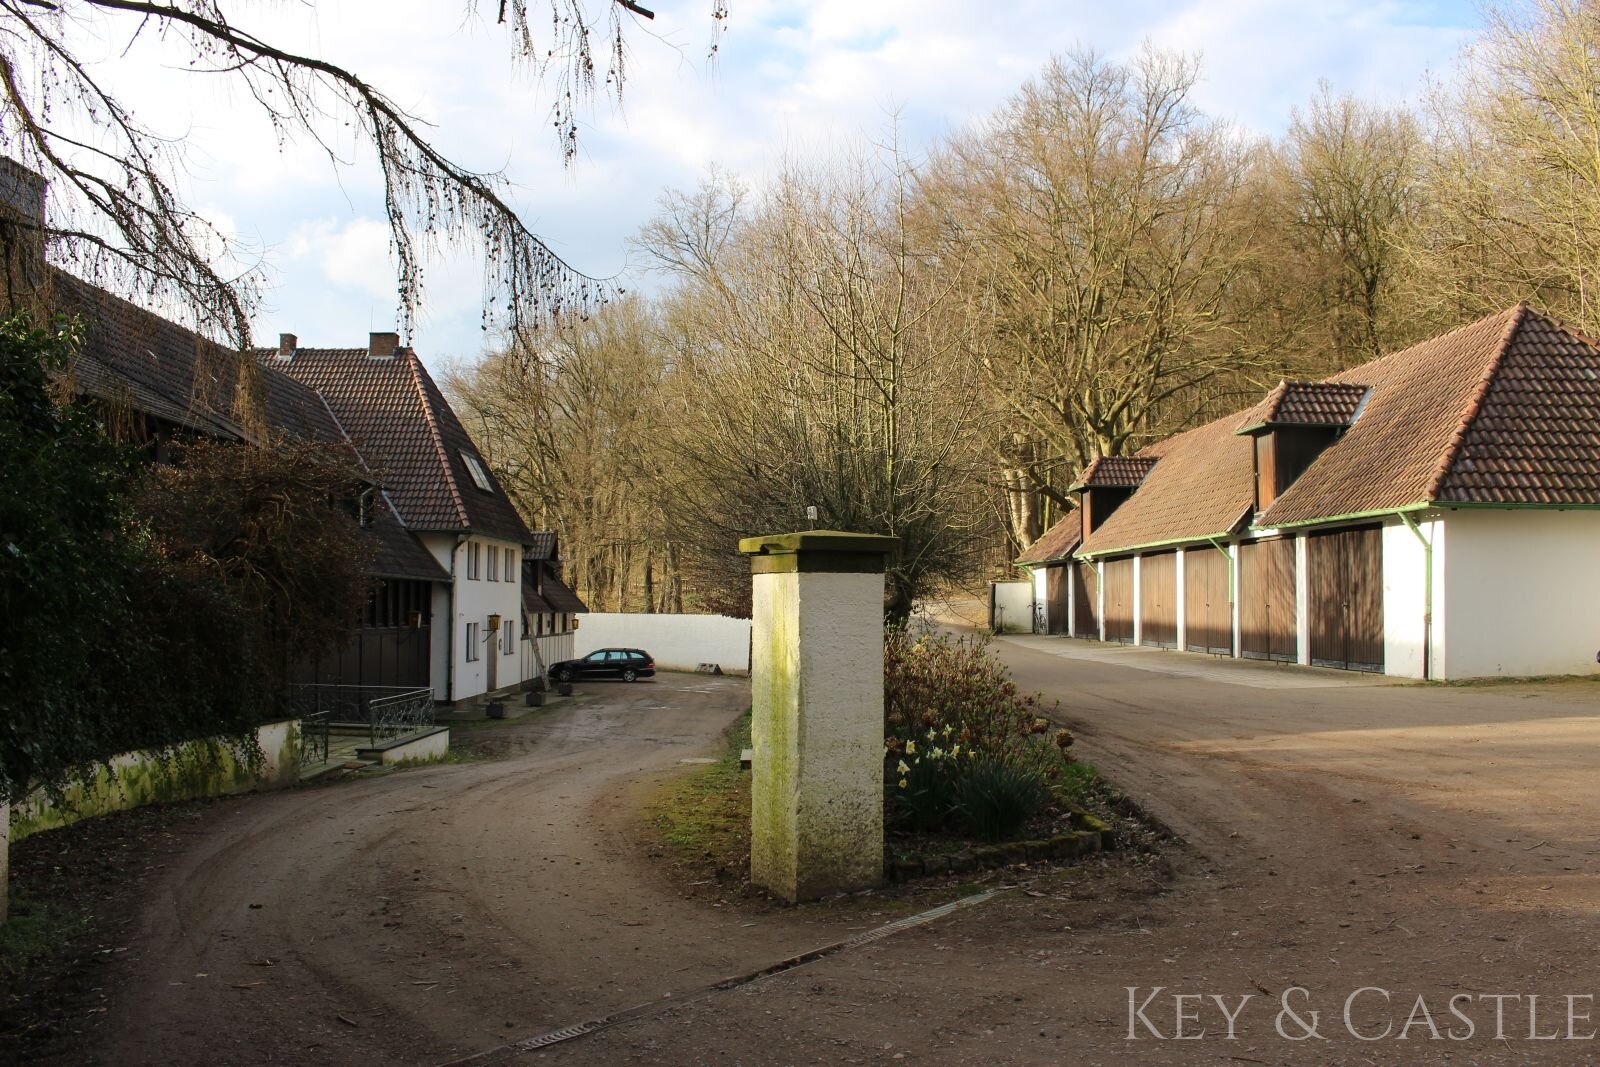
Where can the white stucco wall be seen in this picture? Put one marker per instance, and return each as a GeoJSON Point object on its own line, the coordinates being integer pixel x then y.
{"type": "Point", "coordinates": [1040, 576]}
{"type": "Point", "coordinates": [678, 642]}
{"type": "Point", "coordinates": [135, 779]}
{"type": "Point", "coordinates": [1521, 593]}
{"type": "Point", "coordinates": [817, 733]}
{"type": "Point", "coordinates": [1180, 569]}
{"type": "Point", "coordinates": [1405, 631]}
{"type": "Point", "coordinates": [473, 600]}
{"type": "Point", "coordinates": [1013, 606]}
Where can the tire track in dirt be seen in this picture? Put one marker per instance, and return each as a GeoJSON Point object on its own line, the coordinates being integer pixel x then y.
{"type": "Point", "coordinates": [427, 914]}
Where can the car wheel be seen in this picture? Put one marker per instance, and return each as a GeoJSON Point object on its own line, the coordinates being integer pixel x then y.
{"type": "Point", "coordinates": [564, 675]}
{"type": "Point", "coordinates": [629, 675]}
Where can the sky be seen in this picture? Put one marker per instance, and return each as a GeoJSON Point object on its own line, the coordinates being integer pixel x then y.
{"type": "Point", "coordinates": [791, 79]}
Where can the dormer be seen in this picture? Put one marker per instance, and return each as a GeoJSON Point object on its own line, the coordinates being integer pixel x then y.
{"type": "Point", "coordinates": [1105, 484]}
{"type": "Point", "coordinates": [1292, 427]}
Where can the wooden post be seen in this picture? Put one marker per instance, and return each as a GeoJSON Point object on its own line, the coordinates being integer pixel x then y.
{"type": "Point", "coordinates": [817, 723]}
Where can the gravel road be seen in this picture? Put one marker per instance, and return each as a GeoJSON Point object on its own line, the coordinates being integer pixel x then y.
{"type": "Point", "coordinates": [1373, 846]}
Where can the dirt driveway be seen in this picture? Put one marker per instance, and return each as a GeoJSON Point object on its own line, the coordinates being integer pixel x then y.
{"type": "Point", "coordinates": [1368, 844]}
{"type": "Point", "coordinates": [438, 912]}
{"type": "Point", "coordinates": [1372, 846]}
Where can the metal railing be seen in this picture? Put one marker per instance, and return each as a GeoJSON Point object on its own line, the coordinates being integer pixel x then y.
{"type": "Point", "coordinates": [406, 712]}
{"type": "Point", "coordinates": [384, 712]}
{"type": "Point", "coordinates": [314, 738]}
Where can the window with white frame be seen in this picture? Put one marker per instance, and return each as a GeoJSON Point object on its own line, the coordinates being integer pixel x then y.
{"type": "Point", "coordinates": [474, 560]}
{"type": "Point", "coordinates": [494, 563]}
{"type": "Point", "coordinates": [473, 637]}
{"type": "Point", "coordinates": [480, 474]}
{"type": "Point", "coordinates": [511, 564]}
{"type": "Point", "coordinates": [508, 637]}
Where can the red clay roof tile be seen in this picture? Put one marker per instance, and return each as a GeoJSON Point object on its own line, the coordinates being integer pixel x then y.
{"type": "Point", "coordinates": [1057, 542]}
{"type": "Point", "coordinates": [395, 413]}
{"type": "Point", "coordinates": [1306, 404]}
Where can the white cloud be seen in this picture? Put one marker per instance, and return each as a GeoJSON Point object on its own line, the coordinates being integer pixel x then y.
{"type": "Point", "coordinates": [791, 78]}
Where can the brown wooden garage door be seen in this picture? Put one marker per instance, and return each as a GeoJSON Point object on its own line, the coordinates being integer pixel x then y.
{"type": "Point", "coordinates": [1055, 600]}
{"type": "Point", "coordinates": [1207, 611]}
{"type": "Point", "coordinates": [1119, 599]}
{"type": "Point", "coordinates": [1158, 599]}
{"type": "Point", "coordinates": [1344, 574]}
{"type": "Point", "coordinates": [1267, 600]}
{"type": "Point", "coordinates": [1085, 601]}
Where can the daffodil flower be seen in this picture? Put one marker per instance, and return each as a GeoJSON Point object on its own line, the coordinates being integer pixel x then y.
{"type": "Point", "coordinates": [902, 768]}
{"type": "Point", "coordinates": [902, 783]}
{"type": "Point", "coordinates": [911, 748]}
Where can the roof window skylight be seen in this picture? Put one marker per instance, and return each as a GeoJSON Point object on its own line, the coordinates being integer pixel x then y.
{"type": "Point", "coordinates": [480, 476]}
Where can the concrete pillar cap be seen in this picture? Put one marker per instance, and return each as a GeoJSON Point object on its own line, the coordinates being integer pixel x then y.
{"type": "Point", "coordinates": [819, 550]}
{"type": "Point", "coordinates": [818, 541]}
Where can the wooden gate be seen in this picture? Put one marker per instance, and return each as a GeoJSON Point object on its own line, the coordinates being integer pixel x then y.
{"type": "Point", "coordinates": [1055, 592]}
{"type": "Point", "coordinates": [1119, 599]}
{"type": "Point", "coordinates": [1344, 572]}
{"type": "Point", "coordinates": [1158, 599]}
{"type": "Point", "coordinates": [1207, 610]}
{"type": "Point", "coordinates": [1267, 600]}
{"type": "Point", "coordinates": [1085, 600]}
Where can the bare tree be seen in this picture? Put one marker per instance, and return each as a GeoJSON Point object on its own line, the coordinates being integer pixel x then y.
{"type": "Point", "coordinates": [1099, 210]}
{"type": "Point", "coordinates": [569, 418]}
{"type": "Point", "coordinates": [814, 366]}
{"type": "Point", "coordinates": [1347, 177]}
{"type": "Point", "coordinates": [116, 217]}
{"type": "Point", "coordinates": [1513, 175]}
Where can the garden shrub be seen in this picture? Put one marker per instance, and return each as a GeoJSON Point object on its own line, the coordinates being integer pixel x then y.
{"type": "Point", "coordinates": [965, 749]}
{"type": "Point", "coordinates": [143, 607]}
{"type": "Point", "coordinates": [997, 795]}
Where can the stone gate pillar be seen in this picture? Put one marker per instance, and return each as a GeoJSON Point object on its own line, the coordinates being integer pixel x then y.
{"type": "Point", "coordinates": [816, 674]}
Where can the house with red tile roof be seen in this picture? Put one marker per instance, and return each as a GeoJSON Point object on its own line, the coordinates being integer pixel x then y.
{"type": "Point", "coordinates": [449, 548]}
{"type": "Point", "coordinates": [157, 383]}
{"type": "Point", "coordinates": [1431, 514]}
{"type": "Point", "coordinates": [447, 496]}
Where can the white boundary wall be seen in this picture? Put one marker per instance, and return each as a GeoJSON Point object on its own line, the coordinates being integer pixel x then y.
{"type": "Point", "coordinates": [1013, 606]}
{"type": "Point", "coordinates": [1521, 593]}
{"type": "Point", "coordinates": [678, 642]}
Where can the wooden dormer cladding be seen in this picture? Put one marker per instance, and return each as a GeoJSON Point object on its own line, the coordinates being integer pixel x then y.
{"type": "Point", "coordinates": [1106, 484]}
{"type": "Point", "coordinates": [1292, 427]}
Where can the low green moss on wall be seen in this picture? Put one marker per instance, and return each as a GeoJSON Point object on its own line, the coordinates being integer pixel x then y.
{"type": "Point", "coordinates": [205, 768]}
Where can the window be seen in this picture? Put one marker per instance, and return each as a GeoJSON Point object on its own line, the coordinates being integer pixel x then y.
{"type": "Point", "coordinates": [494, 563]}
{"type": "Point", "coordinates": [480, 474]}
{"type": "Point", "coordinates": [511, 564]}
{"type": "Point", "coordinates": [474, 560]}
{"type": "Point", "coordinates": [472, 642]}
{"type": "Point", "coordinates": [508, 637]}
{"type": "Point", "coordinates": [398, 603]}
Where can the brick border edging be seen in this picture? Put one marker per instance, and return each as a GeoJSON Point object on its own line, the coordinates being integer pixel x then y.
{"type": "Point", "coordinates": [1098, 837]}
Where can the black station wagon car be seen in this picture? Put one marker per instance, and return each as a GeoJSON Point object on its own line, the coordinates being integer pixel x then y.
{"type": "Point", "coordinates": [625, 663]}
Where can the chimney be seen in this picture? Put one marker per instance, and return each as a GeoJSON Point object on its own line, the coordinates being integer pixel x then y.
{"type": "Point", "coordinates": [383, 345]}
{"type": "Point", "coordinates": [21, 193]}
{"type": "Point", "coordinates": [22, 229]}
{"type": "Point", "coordinates": [287, 344]}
